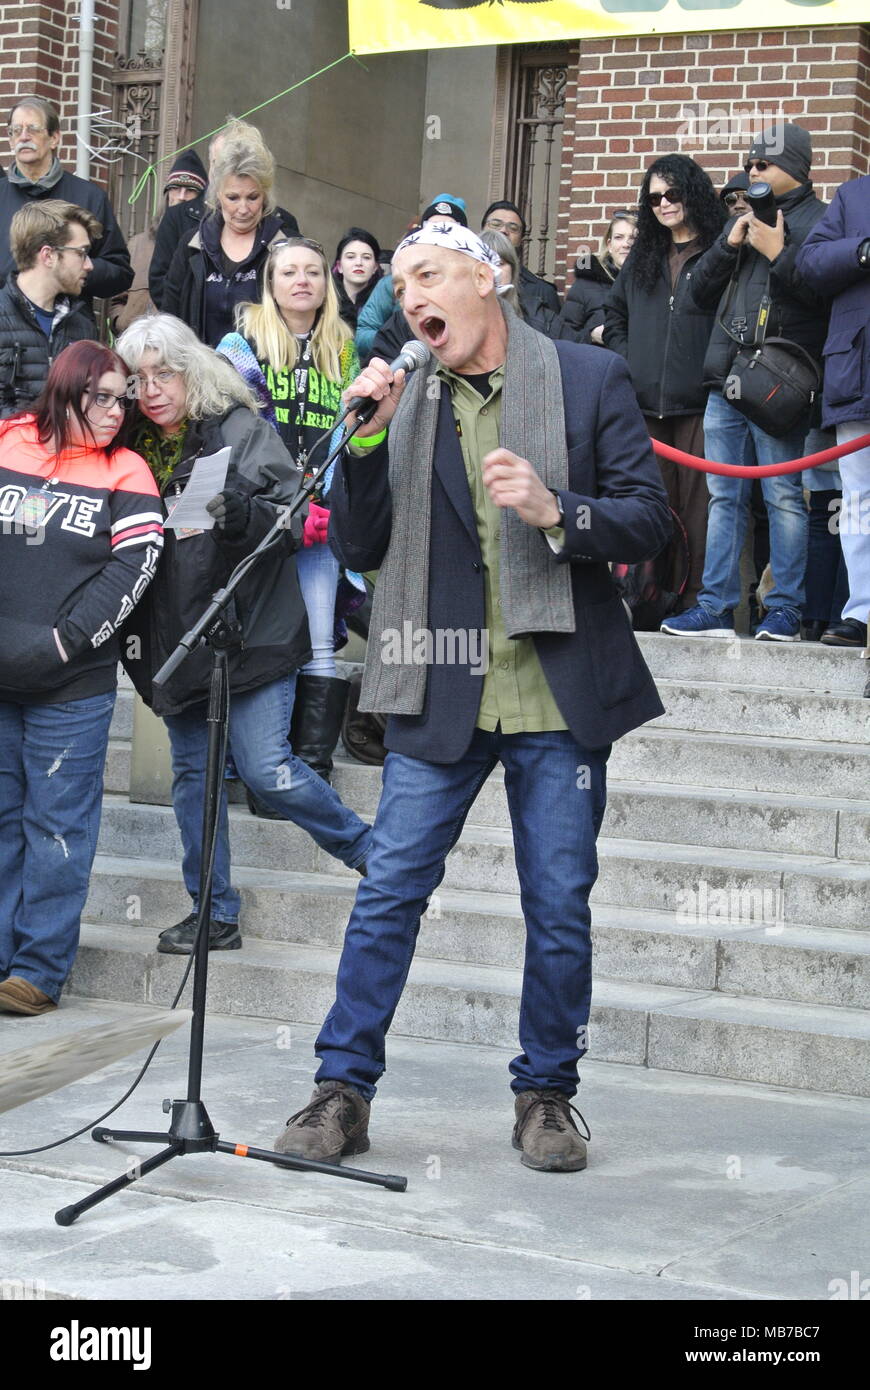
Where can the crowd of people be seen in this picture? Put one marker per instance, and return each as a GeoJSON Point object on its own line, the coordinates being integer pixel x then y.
{"type": "Point", "coordinates": [233, 330]}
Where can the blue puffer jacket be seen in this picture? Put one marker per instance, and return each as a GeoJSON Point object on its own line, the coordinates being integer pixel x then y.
{"type": "Point", "coordinates": [828, 261]}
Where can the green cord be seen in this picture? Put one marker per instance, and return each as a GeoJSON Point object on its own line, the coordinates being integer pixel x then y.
{"type": "Point", "coordinates": [151, 171]}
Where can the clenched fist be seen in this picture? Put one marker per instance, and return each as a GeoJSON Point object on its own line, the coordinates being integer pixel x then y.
{"type": "Point", "coordinates": [511, 481]}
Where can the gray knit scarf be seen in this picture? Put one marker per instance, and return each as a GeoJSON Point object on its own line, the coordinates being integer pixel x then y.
{"type": "Point", "coordinates": [40, 185]}
{"type": "Point", "coordinates": [535, 590]}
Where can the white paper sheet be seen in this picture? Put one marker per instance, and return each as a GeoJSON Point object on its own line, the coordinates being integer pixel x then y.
{"type": "Point", "coordinates": [206, 480]}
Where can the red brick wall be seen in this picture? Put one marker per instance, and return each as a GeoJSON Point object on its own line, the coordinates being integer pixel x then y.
{"type": "Point", "coordinates": [630, 99]}
{"type": "Point", "coordinates": [39, 54]}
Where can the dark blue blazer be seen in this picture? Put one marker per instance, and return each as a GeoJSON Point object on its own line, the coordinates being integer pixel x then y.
{"type": "Point", "coordinates": [615, 509]}
{"type": "Point", "coordinates": [828, 261]}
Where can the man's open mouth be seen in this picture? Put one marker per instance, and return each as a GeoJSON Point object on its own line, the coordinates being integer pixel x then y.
{"type": "Point", "coordinates": [434, 330]}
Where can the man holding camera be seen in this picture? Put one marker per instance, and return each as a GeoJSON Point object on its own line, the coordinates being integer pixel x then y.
{"type": "Point", "coordinates": [750, 273]}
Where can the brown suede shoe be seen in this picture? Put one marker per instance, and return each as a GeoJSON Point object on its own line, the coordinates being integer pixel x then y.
{"type": "Point", "coordinates": [548, 1137]}
{"type": "Point", "coordinates": [19, 996]}
{"type": "Point", "coordinates": [335, 1123]}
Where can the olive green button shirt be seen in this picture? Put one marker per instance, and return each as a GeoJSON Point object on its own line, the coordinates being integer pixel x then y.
{"type": "Point", "coordinates": [515, 692]}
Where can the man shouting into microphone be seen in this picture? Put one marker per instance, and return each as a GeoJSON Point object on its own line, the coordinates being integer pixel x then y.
{"type": "Point", "coordinates": [515, 469]}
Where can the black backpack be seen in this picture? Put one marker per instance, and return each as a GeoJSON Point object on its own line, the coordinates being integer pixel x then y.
{"type": "Point", "coordinates": [645, 586]}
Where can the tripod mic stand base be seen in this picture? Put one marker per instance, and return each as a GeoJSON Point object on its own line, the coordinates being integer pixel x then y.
{"type": "Point", "coordinates": [191, 1131]}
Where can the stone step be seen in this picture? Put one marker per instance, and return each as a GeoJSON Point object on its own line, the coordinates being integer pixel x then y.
{"type": "Point", "coordinates": [121, 726]}
{"type": "Point", "coordinates": [817, 966]}
{"type": "Point", "coordinates": [662, 784]}
{"type": "Point", "coordinates": [646, 810]}
{"type": "Point", "coordinates": [796, 767]}
{"type": "Point", "coordinates": [117, 771]}
{"type": "Point", "coordinates": [809, 1047]}
{"type": "Point", "coordinates": [744, 662]}
{"type": "Point", "coordinates": [712, 707]}
{"type": "Point", "coordinates": [801, 889]}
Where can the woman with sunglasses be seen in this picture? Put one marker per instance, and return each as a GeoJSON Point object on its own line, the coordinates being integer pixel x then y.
{"type": "Point", "coordinates": [298, 354]}
{"type": "Point", "coordinates": [79, 544]}
{"type": "Point", "coordinates": [653, 321]}
{"type": "Point", "coordinates": [582, 316]}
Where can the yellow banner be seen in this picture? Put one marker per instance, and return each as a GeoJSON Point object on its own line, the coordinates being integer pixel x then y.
{"type": "Point", "coordinates": [388, 26]}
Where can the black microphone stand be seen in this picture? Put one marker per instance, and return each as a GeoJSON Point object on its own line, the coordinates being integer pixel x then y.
{"type": "Point", "coordinates": [190, 1129]}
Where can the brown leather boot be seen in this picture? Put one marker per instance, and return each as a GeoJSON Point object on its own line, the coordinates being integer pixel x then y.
{"type": "Point", "coordinates": [334, 1124]}
{"type": "Point", "coordinates": [19, 996]}
{"type": "Point", "coordinates": [546, 1134]}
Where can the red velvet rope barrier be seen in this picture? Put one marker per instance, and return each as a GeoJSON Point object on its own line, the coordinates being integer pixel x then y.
{"type": "Point", "coordinates": [764, 470]}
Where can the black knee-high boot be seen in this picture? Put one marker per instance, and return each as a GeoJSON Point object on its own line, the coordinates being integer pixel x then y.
{"type": "Point", "coordinates": [317, 714]}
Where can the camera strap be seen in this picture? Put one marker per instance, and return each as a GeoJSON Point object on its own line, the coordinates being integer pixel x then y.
{"type": "Point", "coordinates": [763, 319]}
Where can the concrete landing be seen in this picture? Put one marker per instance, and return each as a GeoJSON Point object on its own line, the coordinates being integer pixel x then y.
{"type": "Point", "coordinates": [696, 1188]}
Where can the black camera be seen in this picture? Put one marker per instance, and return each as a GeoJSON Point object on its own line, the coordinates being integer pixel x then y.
{"type": "Point", "coordinates": [762, 200]}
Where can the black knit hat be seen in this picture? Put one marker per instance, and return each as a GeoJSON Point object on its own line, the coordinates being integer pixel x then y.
{"type": "Point", "coordinates": [188, 171]}
{"type": "Point", "coordinates": [738, 183]}
{"type": "Point", "coordinates": [358, 234]}
{"type": "Point", "coordinates": [508, 207]}
{"type": "Point", "coordinates": [447, 206]}
{"type": "Point", "coordinates": [786, 145]}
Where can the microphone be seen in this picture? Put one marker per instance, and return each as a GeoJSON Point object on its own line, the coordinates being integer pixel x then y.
{"type": "Point", "coordinates": [413, 355]}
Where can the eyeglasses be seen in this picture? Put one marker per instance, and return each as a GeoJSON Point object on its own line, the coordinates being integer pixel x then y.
{"type": "Point", "coordinates": [495, 224]}
{"type": "Point", "coordinates": [105, 400]}
{"type": "Point", "coordinates": [83, 251]}
{"type": "Point", "coordinates": [759, 164]}
{"type": "Point", "coordinates": [16, 130]}
{"type": "Point", "coordinates": [622, 212]}
{"type": "Point", "coordinates": [670, 195]}
{"type": "Point", "coordinates": [161, 378]}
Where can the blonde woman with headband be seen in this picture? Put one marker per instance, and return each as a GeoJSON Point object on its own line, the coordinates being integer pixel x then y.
{"type": "Point", "coordinates": [297, 353]}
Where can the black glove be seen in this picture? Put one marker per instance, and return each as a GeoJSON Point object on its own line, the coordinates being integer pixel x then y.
{"type": "Point", "coordinates": [231, 511]}
{"type": "Point", "coordinates": [864, 254]}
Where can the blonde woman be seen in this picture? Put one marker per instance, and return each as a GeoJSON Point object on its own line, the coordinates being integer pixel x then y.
{"type": "Point", "coordinates": [219, 265]}
{"type": "Point", "coordinates": [298, 354]}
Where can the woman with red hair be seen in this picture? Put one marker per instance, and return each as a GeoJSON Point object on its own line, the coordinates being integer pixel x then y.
{"type": "Point", "coordinates": [80, 536]}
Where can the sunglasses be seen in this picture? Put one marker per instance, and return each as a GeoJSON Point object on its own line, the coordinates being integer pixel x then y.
{"type": "Point", "coordinates": [759, 164]}
{"type": "Point", "coordinates": [304, 243]}
{"type": "Point", "coordinates": [731, 199]}
{"type": "Point", "coordinates": [670, 195]}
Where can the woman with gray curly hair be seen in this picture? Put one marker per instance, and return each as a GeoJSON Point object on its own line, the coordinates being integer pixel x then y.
{"type": "Point", "coordinates": [192, 404]}
{"type": "Point", "coordinates": [219, 265]}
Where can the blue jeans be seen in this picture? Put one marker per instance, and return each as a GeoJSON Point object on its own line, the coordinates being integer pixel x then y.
{"type": "Point", "coordinates": [317, 569]}
{"type": "Point", "coordinates": [51, 788]}
{"type": "Point", "coordinates": [556, 794]}
{"type": "Point", "coordinates": [259, 722]}
{"type": "Point", "coordinates": [730, 438]}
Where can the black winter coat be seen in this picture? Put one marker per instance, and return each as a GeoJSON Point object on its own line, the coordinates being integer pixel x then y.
{"type": "Point", "coordinates": [177, 224]}
{"type": "Point", "coordinates": [112, 272]}
{"type": "Point", "coordinates": [198, 257]}
{"type": "Point", "coordinates": [536, 295]}
{"type": "Point", "coordinates": [663, 335]}
{"type": "Point", "coordinates": [347, 307]}
{"type": "Point", "coordinates": [583, 309]}
{"type": "Point", "coordinates": [25, 352]}
{"type": "Point", "coordinates": [268, 603]}
{"type": "Point", "coordinates": [797, 312]}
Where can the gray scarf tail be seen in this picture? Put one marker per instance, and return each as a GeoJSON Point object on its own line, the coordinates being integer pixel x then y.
{"type": "Point", "coordinates": [535, 591]}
